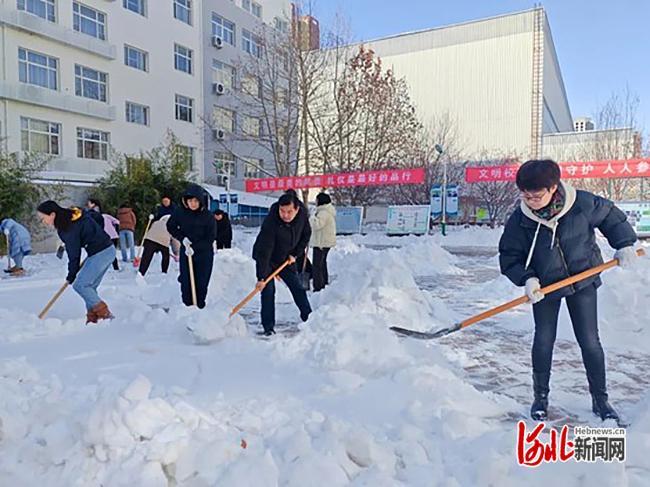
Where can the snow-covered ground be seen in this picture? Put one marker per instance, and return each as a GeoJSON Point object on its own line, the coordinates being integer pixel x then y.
{"type": "Point", "coordinates": [343, 401]}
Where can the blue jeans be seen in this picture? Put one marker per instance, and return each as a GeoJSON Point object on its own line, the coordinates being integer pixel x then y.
{"type": "Point", "coordinates": [127, 241]}
{"type": "Point", "coordinates": [290, 278]}
{"type": "Point", "coordinates": [18, 258]}
{"type": "Point", "coordinates": [90, 276]}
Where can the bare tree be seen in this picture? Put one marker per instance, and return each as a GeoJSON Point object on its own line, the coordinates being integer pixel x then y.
{"type": "Point", "coordinates": [372, 126]}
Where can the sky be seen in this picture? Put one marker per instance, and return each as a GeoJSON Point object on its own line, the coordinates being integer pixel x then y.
{"type": "Point", "coordinates": [603, 46]}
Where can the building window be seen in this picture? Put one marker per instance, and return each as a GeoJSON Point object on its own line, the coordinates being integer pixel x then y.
{"type": "Point", "coordinates": [252, 7]}
{"type": "Point", "coordinates": [137, 6]}
{"type": "Point", "coordinates": [92, 144]}
{"type": "Point", "coordinates": [223, 28]}
{"type": "Point", "coordinates": [37, 69]}
{"type": "Point", "coordinates": [184, 108]}
{"type": "Point", "coordinates": [183, 59]}
{"type": "Point", "coordinates": [253, 168]}
{"type": "Point", "coordinates": [88, 21]}
{"type": "Point", "coordinates": [41, 8]}
{"type": "Point", "coordinates": [185, 154]}
{"type": "Point", "coordinates": [136, 113]}
{"type": "Point", "coordinates": [90, 83]}
{"type": "Point", "coordinates": [281, 25]}
{"type": "Point", "coordinates": [250, 85]}
{"type": "Point", "coordinates": [252, 126]}
{"type": "Point", "coordinates": [40, 136]}
{"type": "Point", "coordinates": [136, 58]}
{"type": "Point", "coordinates": [251, 43]}
{"type": "Point", "coordinates": [223, 73]}
{"type": "Point", "coordinates": [224, 164]}
{"type": "Point", "coordinates": [183, 11]}
{"type": "Point", "coordinates": [224, 119]}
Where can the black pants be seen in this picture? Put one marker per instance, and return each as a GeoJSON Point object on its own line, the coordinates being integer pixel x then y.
{"type": "Point", "coordinates": [583, 309]}
{"type": "Point", "coordinates": [290, 278]}
{"type": "Point", "coordinates": [149, 248]}
{"type": "Point", "coordinates": [202, 263]}
{"type": "Point", "coordinates": [223, 245]}
{"type": "Point", "coordinates": [320, 274]}
{"type": "Point", "coordinates": [116, 242]}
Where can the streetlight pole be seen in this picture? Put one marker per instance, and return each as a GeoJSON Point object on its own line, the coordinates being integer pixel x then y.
{"type": "Point", "coordinates": [443, 225]}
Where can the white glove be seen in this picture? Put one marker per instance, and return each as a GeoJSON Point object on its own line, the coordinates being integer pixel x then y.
{"type": "Point", "coordinates": [151, 217]}
{"type": "Point", "coordinates": [7, 232]}
{"type": "Point", "coordinates": [188, 247]}
{"type": "Point", "coordinates": [627, 257]}
{"type": "Point", "coordinates": [533, 290]}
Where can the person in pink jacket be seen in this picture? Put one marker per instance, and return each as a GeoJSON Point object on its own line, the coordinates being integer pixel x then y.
{"type": "Point", "coordinates": [110, 223]}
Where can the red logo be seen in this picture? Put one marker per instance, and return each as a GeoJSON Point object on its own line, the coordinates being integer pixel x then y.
{"type": "Point", "coordinates": [531, 451]}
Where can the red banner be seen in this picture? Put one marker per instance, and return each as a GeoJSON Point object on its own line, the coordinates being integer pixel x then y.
{"type": "Point", "coordinates": [626, 168]}
{"type": "Point", "coordinates": [339, 180]}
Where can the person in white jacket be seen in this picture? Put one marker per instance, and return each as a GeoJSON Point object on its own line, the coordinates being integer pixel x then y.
{"type": "Point", "coordinates": [323, 238]}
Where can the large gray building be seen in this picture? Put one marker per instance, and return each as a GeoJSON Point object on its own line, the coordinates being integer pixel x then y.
{"type": "Point", "coordinates": [498, 78]}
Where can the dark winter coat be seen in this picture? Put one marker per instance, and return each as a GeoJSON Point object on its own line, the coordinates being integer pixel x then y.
{"type": "Point", "coordinates": [224, 231]}
{"type": "Point", "coordinates": [198, 225]}
{"type": "Point", "coordinates": [95, 215]}
{"type": "Point", "coordinates": [563, 246]}
{"type": "Point", "coordinates": [84, 233]}
{"type": "Point", "coordinates": [164, 210]}
{"type": "Point", "coordinates": [278, 240]}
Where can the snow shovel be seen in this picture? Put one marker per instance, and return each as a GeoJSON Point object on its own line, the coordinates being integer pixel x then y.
{"type": "Point", "coordinates": [58, 294]}
{"type": "Point", "coordinates": [189, 253]}
{"type": "Point", "coordinates": [509, 305]}
{"type": "Point", "coordinates": [136, 261]}
{"type": "Point", "coordinates": [252, 294]}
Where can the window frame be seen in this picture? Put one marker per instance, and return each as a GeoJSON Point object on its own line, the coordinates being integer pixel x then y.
{"type": "Point", "coordinates": [178, 105]}
{"type": "Point", "coordinates": [180, 58]}
{"type": "Point", "coordinates": [186, 6]}
{"type": "Point", "coordinates": [145, 57]}
{"type": "Point", "coordinates": [142, 10]}
{"type": "Point", "coordinates": [78, 14]}
{"type": "Point", "coordinates": [50, 134]}
{"type": "Point", "coordinates": [47, 68]}
{"type": "Point", "coordinates": [226, 71]}
{"type": "Point", "coordinates": [219, 28]}
{"type": "Point", "coordinates": [145, 111]}
{"type": "Point", "coordinates": [101, 143]}
{"type": "Point", "coordinates": [251, 43]}
{"type": "Point", "coordinates": [80, 83]}
{"type": "Point", "coordinates": [49, 7]}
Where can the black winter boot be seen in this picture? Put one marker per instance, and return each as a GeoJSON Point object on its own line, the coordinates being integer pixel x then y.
{"type": "Point", "coordinates": [602, 408]}
{"type": "Point", "coordinates": [539, 409]}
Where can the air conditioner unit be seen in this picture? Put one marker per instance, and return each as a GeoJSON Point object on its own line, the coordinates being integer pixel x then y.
{"type": "Point", "coordinates": [218, 88]}
{"type": "Point", "coordinates": [219, 134]}
{"type": "Point", "coordinates": [217, 42]}
{"type": "Point", "coordinates": [222, 180]}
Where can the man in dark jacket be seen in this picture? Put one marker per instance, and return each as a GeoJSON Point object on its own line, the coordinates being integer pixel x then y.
{"type": "Point", "coordinates": [224, 229]}
{"type": "Point", "coordinates": [193, 225]}
{"type": "Point", "coordinates": [166, 207]}
{"type": "Point", "coordinates": [551, 237]}
{"type": "Point", "coordinates": [284, 235]}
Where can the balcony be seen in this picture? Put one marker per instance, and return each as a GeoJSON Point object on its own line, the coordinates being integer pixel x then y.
{"type": "Point", "coordinates": [56, 32]}
{"type": "Point", "coordinates": [35, 95]}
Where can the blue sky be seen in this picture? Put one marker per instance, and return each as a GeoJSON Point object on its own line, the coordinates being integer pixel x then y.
{"type": "Point", "coordinates": [602, 45]}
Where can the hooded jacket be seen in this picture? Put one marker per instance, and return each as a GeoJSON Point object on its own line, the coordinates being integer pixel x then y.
{"type": "Point", "coordinates": [19, 239]}
{"type": "Point", "coordinates": [165, 210]}
{"type": "Point", "coordinates": [84, 233]}
{"type": "Point", "coordinates": [109, 225]}
{"type": "Point", "coordinates": [127, 219]}
{"type": "Point", "coordinates": [278, 240]}
{"type": "Point", "coordinates": [224, 230]}
{"type": "Point", "coordinates": [323, 226]}
{"type": "Point", "coordinates": [563, 246]}
{"type": "Point", "coordinates": [198, 226]}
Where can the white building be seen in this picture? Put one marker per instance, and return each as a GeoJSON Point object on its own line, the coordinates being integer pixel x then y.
{"type": "Point", "coordinates": [498, 78]}
{"type": "Point", "coordinates": [81, 77]}
{"type": "Point", "coordinates": [591, 145]}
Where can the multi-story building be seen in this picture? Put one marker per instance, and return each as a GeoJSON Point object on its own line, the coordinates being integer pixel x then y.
{"type": "Point", "coordinates": [82, 78]}
{"type": "Point", "coordinates": [582, 124]}
{"type": "Point", "coordinates": [236, 145]}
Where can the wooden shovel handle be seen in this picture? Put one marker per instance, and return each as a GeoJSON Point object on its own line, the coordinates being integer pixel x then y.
{"type": "Point", "coordinates": [252, 294]}
{"type": "Point", "coordinates": [53, 300]}
{"type": "Point", "coordinates": [190, 263]}
{"type": "Point", "coordinates": [545, 290]}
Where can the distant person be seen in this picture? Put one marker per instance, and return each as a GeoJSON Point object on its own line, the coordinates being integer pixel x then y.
{"type": "Point", "coordinates": [284, 236]}
{"type": "Point", "coordinates": [94, 209]}
{"type": "Point", "coordinates": [157, 240]}
{"type": "Point", "coordinates": [166, 207]}
{"type": "Point", "coordinates": [193, 225]}
{"type": "Point", "coordinates": [111, 227]}
{"type": "Point", "coordinates": [224, 230]}
{"type": "Point", "coordinates": [128, 221]}
{"type": "Point", "coordinates": [79, 231]}
{"type": "Point", "coordinates": [19, 244]}
{"type": "Point", "coordinates": [549, 237]}
{"type": "Point", "coordinates": [323, 238]}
